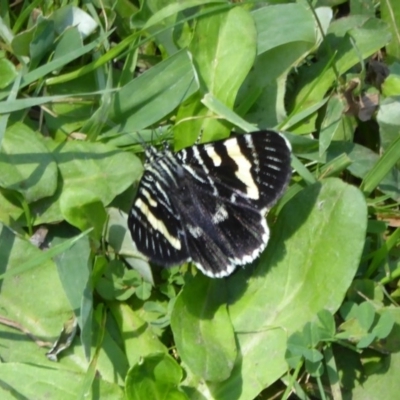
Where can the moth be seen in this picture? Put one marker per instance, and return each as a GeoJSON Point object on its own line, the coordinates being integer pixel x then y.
{"type": "Point", "coordinates": [207, 203]}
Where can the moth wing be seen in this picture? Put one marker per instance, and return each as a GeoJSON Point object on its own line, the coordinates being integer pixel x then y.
{"type": "Point", "coordinates": [253, 168]}
{"type": "Point", "coordinates": [220, 234]}
{"type": "Point", "coordinates": [155, 224]}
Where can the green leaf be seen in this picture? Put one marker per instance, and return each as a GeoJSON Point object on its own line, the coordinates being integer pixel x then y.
{"type": "Point", "coordinates": [348, 310]}
{"type": "Point", "coordinates": [221, 72]}
{"type": "Point", "coordinates": [139, 340]}
{"type": "Point", "coordinates": [202, 330]}
{"type": "Point", "coordinates": [22, 298]}
{"type": "Point", "coordinates": [263, 93]}
{"type": "Point", "coordinates": [270, 35]}
{"type": "Point", "coordinates": [391, 85]}
{"type": "Point", "coordinates": [314, 368]}
{"type": "Point", "coordinates": [384, 326]}
{"type": "Point", "coordinates": [119, 238]}
{"type": "Point", "coordinates": [83, 209]}
{"type": "Point", "coordinates": [154, 94]}
{"type": "Point", "coordinates": [300, 266]}
{"type": "Point", "coordinates": [143, 291]}
{"type": "Point", "coordinates": [156, 377]}
{"type": "Point", "coordinates": [326, 325]}
{"type": "Point", "coordinates": [365, 315]}
{"type": "Point", "coordinates": [71, 16]}
{"type": "Point", "coordinates": [313, 355]}
{"type": "Point", "coordinates": [332, 121]}
{"type": "Point", "coordinates": [390, 13]}
{"type": "Point", "coordinates": [352, 39]}
{"type": "Point", "coordinates": [7, 72]}
{"type": "Point", "coordinates": [296, 347]}
{"type": "Point", "coordinates": [382, 384]}
{"type": "Point", "coordinates": [28, 169]}
{"type": "Point", "coordinates": [40, 257]}
{"type": "Point", "coordinates": [389, 121]}
{"type": "Point", "coordinates": [382, 168]}
{"type": "Point", "coordinates": [174, 8]}
{"type": "Point", "coordinates": [311, 334]}
{"type": "Point", "coordinates": [42, 41]}
{"type": "Point", "coordinates": [74, 273]}
{"type": "Point", "coordinates": [48, 382]}
{"type": "Point", "coordinates": [365, 340]}
{"type": "Point", "coordinates": [363, 161]}
{"type": "Point", "coordinates": [96, 167]}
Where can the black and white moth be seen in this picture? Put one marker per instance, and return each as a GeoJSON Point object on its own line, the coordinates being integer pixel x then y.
{"type": "Point", "coordinates": [207, 203]}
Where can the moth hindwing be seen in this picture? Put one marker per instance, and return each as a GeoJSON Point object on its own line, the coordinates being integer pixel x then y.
{"type": "Point", "coordinates": [207, 203]}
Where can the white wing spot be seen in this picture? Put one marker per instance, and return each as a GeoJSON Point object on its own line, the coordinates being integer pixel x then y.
{"type": "Point", "coordinates": [220, 215]}
{"type": "Point", "coordinates": [151, 201]}
{"type": "Point", "coordinates": [195, 231]}
{"type": "Point", "coordinates": [196, 155]}
{"type": "Point", "coordinates": [215, 158]}
{"type": "Point", "coordinates": [244, 166]}
{"type": "Point", "coordinates": [157, 224]}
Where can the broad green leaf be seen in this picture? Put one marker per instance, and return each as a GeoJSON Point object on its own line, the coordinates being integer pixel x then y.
{"type": "Point", "coordinates": [119, 238]}
{"type": "Point", "coordinates": [391, 343]}
{"type": "Point", "coordinates": [391, 86]}
{"type": "Point", "coordinates": [384, 326]}
{"type": "Point", "coordinates": [20, 42]}
{"type": "Point", "coordinates": [71, 16]}
{"type": "Point", "coordinates": [7, 72]}
{"type": "Point", "coordinates": [67, 43]}
{"type": "Point", "coordinates": [156, 377]}
{"type": "Point", "coordinates": [311, 334]}
{"type": "Point", "coordinates": [73, 270]}
{"type": "Point", "coordinates": [26, 164]}
{"type": "Point", "coordinates": [154, 94]}
{"type": "Point", "coordinates": [202, 330]}
{"type": "Point", "coordinates": [139, 340]}
{"type": "Point", "coordinates": [101, 169]}
{"type": "Point", "coordinates": [222, 66]}
{"type": "Point", "coordinates": [42, 41]}
{"type": "Point", "coordinates": [296, 345]}
{"type": "Point", "coordinates": [314, 368]}
{"type": "Point", "coordinates": [300, 267]}
{"type": "Point", "coordinates": [83, 209]}
{"type": "Point", "coordinates": [36, 302]}
{"type": "Point", "coordinates": [365, 340]}
{"type": "Point", "coordinates": [143, 291]}
{"type": "Point", "coordinates": [33, 298]}
{"type": "Point", "coordinates": [326, 325]}
{"type": "Point", "coordinates": [280, 47]}
{"type": "Point", "coordinates": [41, 257]}
{"type": "Point", "coordinates": [271, 35]}
{"type": "Point", "coordinates": [66, 117]}
{"type": "Point", "coordinates": [39, 383]}
{"type": "Point", "coordinates": [382, 384]}
{"type": "Point", "coordinates": [348, 310]}
{"type": "Point", "coordinates": [10, 210]}
{"type": "Point", "coordinates": [171, 9]}
{"type": "Point", "coordinates": [389, 121]}
{"type": "Point", "coordinates": [365, 315]}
